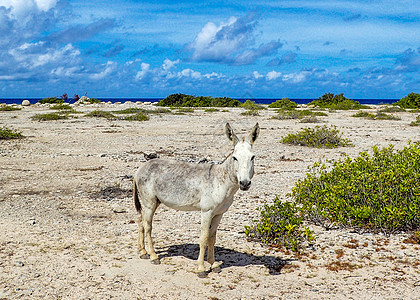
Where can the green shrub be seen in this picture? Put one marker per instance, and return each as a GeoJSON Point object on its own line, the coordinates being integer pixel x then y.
{"type": "Point", "coordinates": [336, 102]}
{"type": "Point", "coordinates": [185, 110]}
{"type": "Point", "coordinates": [101, 114]}
{"type": "Point", "coordinates": [211, 110]}
{"type": "Point", "coordinates": [251, 105]}
{"type": "Point", "coordinates": [51, 100]}
{"type": "Point", "coordinates": [364, 114]}
{"type": "Point", "coordinates": [320, 136]}
{"type": "Point", "coordinates": [378, 116]}
{"type": "Point", "coordinates": [61, 107]}
{"type": "Point", "coordinates": [296, 114]}
{"type": "Point", "coordinates": [384, 116]}
{"type": "Point", "coordinates": [280, 225]}
{"type": "Point", "coordinates": [49, 117]}
{"type": "Point", "coordinates": [131, 110]}
{"type": "Point", "coordinates": [9, 108]}
{"type": "Point", "coordinates": [182, 100]}
{"type": "Point", "coordinates": [284, 103]}
{"type": "Point", "coordinates": [251, 112]}
{"type": "Point", "coordinates": [416, 122]}
{"type": "Point", "coordinates": [412, 100]}
{"type": "Point", "coordinates": [310, 119]}
{"type": "Point", "coordinates": [137, 117]}
{"type": "Point", "coordinates": [377, 193]}
{"type": "Point", "coordinates": [8, 134]}
{"type": "Point", "coordinates": [391, 109]}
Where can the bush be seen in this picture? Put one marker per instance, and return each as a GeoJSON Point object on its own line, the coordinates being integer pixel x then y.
{"type": "Point", "coordinates": [49, 117]}
{"type": "Point", "coordinates": [379, 116]}
{"type": "Point", "coordinates": [412, 100]}
{"type": "Point", "coordinates": [9, 108]}
{"type": "Point", "coordinates": [391, 109]}
{"type": "Point", "coordinates": [251, 112]}
{"type": "Point", "coordinates": [7, 134]}
{"type": "Point", "coordinates": [101, 114]}
{"type": "Point", "coordinates": [280, 225]}
{"type": "Point", "coordinates": [284, 103]}
{"type": "Point", "coordinates": [52, 100]}
{"type": "Point", "coordinates": [317, 137]}
{"type": "Point", "coordinates": [377, 193]}
{"type": "Point", "coordinates": [251, 105]}
{"type": "Point", "coordinates": [296, 114]}
{"type": "Point", "coordinates": [211, 110]}
{"type": "Point", "coordinates": [182, 100]}
{"type": "Point", "coordinates": [336, 102]}
{"type": "Point", "coordinates": [137, 117]}
{"type": "Point", "coordinates": [416, 122]}
{"type": "Point", "coordinates": [132, 110]}
{"type": "Point", "coordinates": [61, 107]}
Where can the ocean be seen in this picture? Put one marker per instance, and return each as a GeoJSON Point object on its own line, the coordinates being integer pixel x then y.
{"type": "Point", "coordinates": [256, 100]}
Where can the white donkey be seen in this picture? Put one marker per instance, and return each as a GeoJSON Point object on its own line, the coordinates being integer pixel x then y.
{"type": "Point", "coordinates": [188, 187]}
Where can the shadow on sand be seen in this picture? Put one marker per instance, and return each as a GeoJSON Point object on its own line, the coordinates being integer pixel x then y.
{"type": "Point", "coordinates": [229, 257]}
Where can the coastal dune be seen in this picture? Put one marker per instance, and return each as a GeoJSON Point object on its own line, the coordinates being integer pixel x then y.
{"type": "Point", "coordinates": [68, 222]}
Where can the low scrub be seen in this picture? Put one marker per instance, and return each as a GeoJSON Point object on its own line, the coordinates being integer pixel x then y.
{"type": "Point", "coordinates": [8, 134]}
{"type": "Point", "coordinates": [296, 114]}
{"type": "Point", "coordinates": [9, 108]}
{"type": "Point", "coordinates": [391, 109]}
{"type": "Point", "coordinates": [319, 137]}
{"type": "Point", "coordinates": [137, 117]}
{"type": "Point", "coordinates": [51, 100]}
{"type": "Point", "coordinates": [251, 112]}
{"type": "Point", "coordinates": [416, 122]}
{"type": "Point", "coordinates": [284, 103]}
{"type": "Point", "coordinates": [251, 105]}
{"type": "Point", "coordinates": [49, 117]}
{"type": "Point", "coordinates": [182, 100]}
{"type": "Point", "coordinates": [378, 192]}
{"type": "Point", "coordinates": [280, 225]}
{"type": "Point", "coordinates": [336, 102]}
{"type": "Point", "coordinates": [378, 116]}
{"type": "Point", "coordinates": [101, 114]}
{"type": "Point", "coordinates": [412, 100]}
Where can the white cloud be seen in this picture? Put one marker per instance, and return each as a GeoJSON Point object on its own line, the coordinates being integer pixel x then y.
{"type": "Point", "coordinates": [258, 75]}
{"type": "Point", "coordinates": [273, 75]}
{"type": "Point", "coordinates": [109, 67]}
{"type": "Point", "coordinates": [169, 64]}
{"type": "Point", "coordinates": [191, 73]}
{"type": "Point", "coordinates": [145, 68]}
{"type": "Point", "coordinates": [20, 8]}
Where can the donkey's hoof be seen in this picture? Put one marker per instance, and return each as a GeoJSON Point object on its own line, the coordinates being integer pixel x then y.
{"type": "Point", "coordinates": [145, 256]}
{"type": "Point", "coordinates": [155, 261]}
{"type": "Point", "coordinates": [202, 274]}
{"type": "Point", "coordinates": [217, 269]}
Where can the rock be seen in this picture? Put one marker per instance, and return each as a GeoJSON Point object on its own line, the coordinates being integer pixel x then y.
{"type": "Point", "coordinates": [119, 209]}
{"type": "Point", "coordinates": [147, 103]}
{"type": "Point", "coordinates": [150, 156]}
{"type": "Point", "coordinates": [26, 103]}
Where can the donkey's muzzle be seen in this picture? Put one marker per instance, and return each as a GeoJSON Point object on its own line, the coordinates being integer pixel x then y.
{"type": "Point", "coordinates": [244, 185]}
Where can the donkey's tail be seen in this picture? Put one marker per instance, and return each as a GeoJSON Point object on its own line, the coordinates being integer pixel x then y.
{"type": "Point", "coordinates": [136, 197]}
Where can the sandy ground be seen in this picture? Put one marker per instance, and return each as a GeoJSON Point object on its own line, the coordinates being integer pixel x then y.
{"type": "Point", "coordinates": [68, 224]}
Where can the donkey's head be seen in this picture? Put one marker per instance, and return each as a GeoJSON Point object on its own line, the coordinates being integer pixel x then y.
{"type": "Point", "coordinates": [243, 156]}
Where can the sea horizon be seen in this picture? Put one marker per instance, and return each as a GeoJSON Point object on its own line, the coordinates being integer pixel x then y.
{"type": "Point", "coordinates": [371, 101]}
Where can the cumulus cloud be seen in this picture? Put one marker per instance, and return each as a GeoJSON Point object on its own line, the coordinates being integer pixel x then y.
{"type": "Point", "coordinates": [231, 42]}
{"type": "Point", "coordinates": [287, 58]}
{"type": "Point", "coordinates": [409, 61]}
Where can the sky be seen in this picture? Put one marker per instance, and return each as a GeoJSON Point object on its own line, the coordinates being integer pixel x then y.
{"type": "Point", "coordinates": [240, 49]}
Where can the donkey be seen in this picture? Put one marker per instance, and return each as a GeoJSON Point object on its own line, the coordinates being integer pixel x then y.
{"type": "Point", "coordinates": [193, 187]}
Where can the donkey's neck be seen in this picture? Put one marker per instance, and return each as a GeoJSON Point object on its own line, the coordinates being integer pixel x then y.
{"type": "Point", "coordinates": [226, 173]}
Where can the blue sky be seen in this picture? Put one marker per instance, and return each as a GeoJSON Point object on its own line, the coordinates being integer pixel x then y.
{"type": "Point", "coordinates": [243, 49]}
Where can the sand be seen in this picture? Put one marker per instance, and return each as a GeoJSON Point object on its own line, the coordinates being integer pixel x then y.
{"type": "Point", "coordinates": [68, 223]}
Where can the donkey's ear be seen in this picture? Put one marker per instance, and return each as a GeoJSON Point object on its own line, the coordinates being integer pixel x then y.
{"type": "Point", "coordinates": [231, 135]}
{"type": "Point", "coordinates": [254, 133]}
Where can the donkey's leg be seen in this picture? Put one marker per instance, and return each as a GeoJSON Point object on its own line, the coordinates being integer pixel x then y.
{"type": "Point", "coordinates": [204, 238]}
{"type": "Point", "coordinates": [142, 249]}
{"type": "Point", "coordinates": [148, 213]}
{"type": "Point", "coordinates": [212, 239]}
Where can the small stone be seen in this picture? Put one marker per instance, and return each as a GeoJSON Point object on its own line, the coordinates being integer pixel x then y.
{"type": "Point", "coordinates": [119, 209]}
{"type": "Point", "coordinates": [26, 103]}
{"type": "Point", "coordinates": [19, 264]}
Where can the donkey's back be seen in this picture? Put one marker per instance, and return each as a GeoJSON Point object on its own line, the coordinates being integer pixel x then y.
{"type": "Point", "coordinates": [179, 185]}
